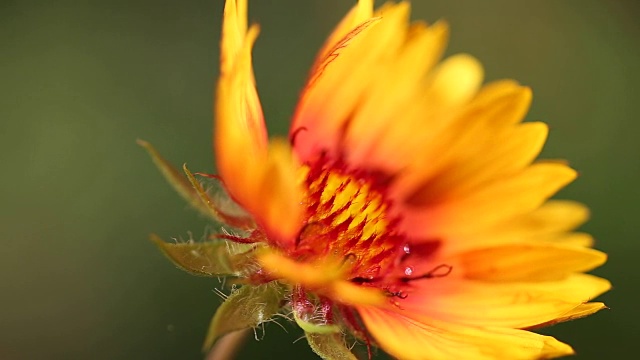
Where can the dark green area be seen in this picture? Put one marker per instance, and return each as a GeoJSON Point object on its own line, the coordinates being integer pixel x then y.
{"type": "Point", "coordinates": [80, 81]}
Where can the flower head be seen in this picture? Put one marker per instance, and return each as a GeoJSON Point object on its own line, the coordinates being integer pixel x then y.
{"type": "Point", "coordinates": [405, 209]}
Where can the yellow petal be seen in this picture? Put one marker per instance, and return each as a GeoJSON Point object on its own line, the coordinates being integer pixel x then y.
{"type": "Point", "coordinates": [461, 243]}
{"type": "Point", "coordinates": [500, 200]}
{"type": "Point", "coordinates": [519, 99]}
{"type": "Point", "coordinates": [456, 134]}
{"type": "Point", "coordinates": [234, 29]}
{"type": "Point", "coordinates": [261, 178]}
{"type": "Point", "coordinates": [549, 223]}
{"type": "Point", "coordinates": [309, 275]}
{"type": "Point", "coordinates": [349, 293]}
{"type": "Point", "coordinates": [323, 277]}
{"type": "Point", "coordinates": [573, 239]}
{"type": "Point", "coordinates": [512, 305]}
{"type": "Point", "coordinates": [240, 136]}
{"type": "Point", "coordinates": [405, 338]}
{"type": "Point", "coordinates": [509, 151]}
{"type": "Point", "coordinates": [276, 202]}
{"type": "Point", "coordinates": [503, 153]}
{"type": "Point", "coordinates": [455, 81]}
{"type": "Point", "coordinates": [554, 217]}
{"type": "Point", "coordinates": [339, 81]}
{"type": "Point", "coordinates": [528, 262]}
{"type": "Point", "coordinates": [578, 312]}
{"type": "Point", "coordinates": [392, 99]}
{"type": "Point", "coordinates": [360, 13]}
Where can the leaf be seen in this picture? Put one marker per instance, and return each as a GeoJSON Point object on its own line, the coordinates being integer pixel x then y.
{"type": "Point", "coordinates": [210, 258]}
{"type": "Point", "coordinates": [329, 346]}
{"type": "Point", "coordinates": [246, 308]}
{"type": "Point", "coordinates": [175, 179]}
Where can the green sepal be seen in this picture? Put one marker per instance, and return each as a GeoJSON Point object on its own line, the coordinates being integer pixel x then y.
{"type": "Point", "coordinates": [245, 308]}
{"type": "Point", "coordinates": [310, 327]}
{"type": "Point", "coordinates": [213, 211]}
{"type": "Point", "coordinates": [176, 179]}
{"type": "Point", "coordinates": [210, 258]}
{"type": "Point", "coordinates": [329, 346]}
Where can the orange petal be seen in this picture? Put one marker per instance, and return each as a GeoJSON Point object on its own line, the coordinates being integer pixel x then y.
{"type": "Point", "coordinates": [405, 338]}
{"type": "Point", "coordinates": [512, 305]}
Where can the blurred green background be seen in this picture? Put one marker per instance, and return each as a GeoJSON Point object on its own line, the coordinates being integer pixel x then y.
{"type": "Point", "coordinates": [80, 81]}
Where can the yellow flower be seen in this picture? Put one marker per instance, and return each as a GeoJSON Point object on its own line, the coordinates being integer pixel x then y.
{"type": "Point", "coordinates": [406, 207]}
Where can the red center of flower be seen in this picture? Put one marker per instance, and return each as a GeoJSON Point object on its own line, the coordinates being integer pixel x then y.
{"type": "Point", "coordinates": [348, 220]}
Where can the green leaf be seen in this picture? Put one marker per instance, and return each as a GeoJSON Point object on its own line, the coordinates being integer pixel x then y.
{"type": "Point", "coordinates": [176, 179]}
{"type": "Point", "coordinates": [247, 307]}
{"type": "Point", "coordinates": [211, 258]}
{"type": "Point", "coordinates": [329, 346]}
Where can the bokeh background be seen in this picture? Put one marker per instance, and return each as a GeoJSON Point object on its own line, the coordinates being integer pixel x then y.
{"type": "Point", "coordinates": [80, 81]}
